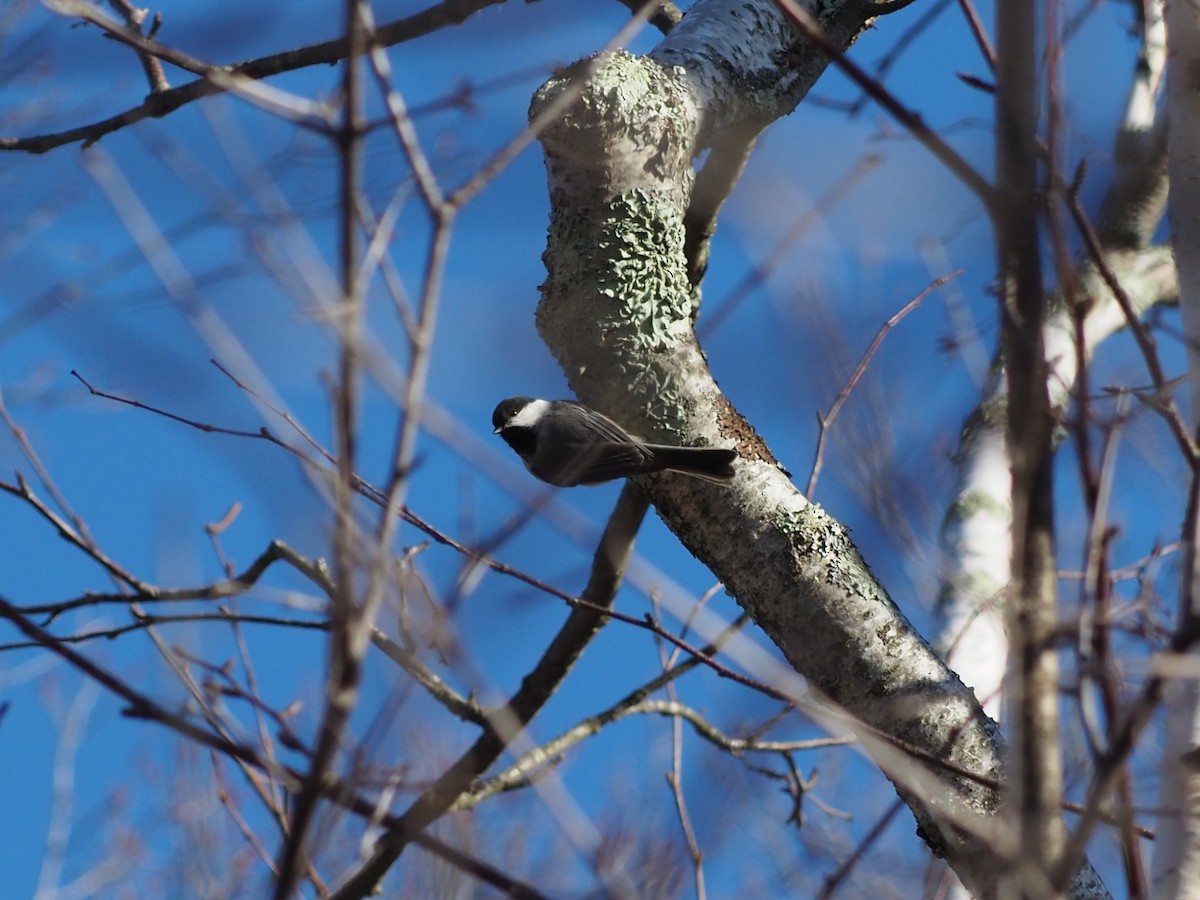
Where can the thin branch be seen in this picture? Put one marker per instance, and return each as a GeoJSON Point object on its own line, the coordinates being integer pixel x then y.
{"type": "Point", "coordinates": [947, 155]}
{"type": "Point", "coordinates": [1034, 789]}
{"type": "Point", "coordinates": [22, 490]}
{"type": "Point", "coordinates": [1162, 400]}
{"type": "Point", "coordinates": [526, 767]}
{"type": "Point", "coordinates": [466, 709]}
{"type": "Point", "coordinates": [147, 620]}
{"type": "Point", "coordinates": [825, 421]}
{"type": "Point", "coordinates": [43, 474]}
{"type": "Point", "coordinates": [201, 426]}
{"type": "Point", "coordinates": [135, 18]}
{"type": "Point", "coordinates": [275, 552]}
{"type": "Point", "coordinates": [225, 798]}
{"type": "Point", "coordinates": [675, 782]}
{"type": "Point", "coordinates": [834, 881]}
{"type": "Point", "coordinates": [140, 706]}
{"type": "Point", "coordinates": [128, 34]}
{"type": "Point", "coordinates": [978, 32]}
{"type": "Point", "coordinates": [440, 15]}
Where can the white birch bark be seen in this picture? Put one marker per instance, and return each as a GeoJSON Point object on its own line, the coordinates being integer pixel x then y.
{"type": "Point", "coordinates": [976, 531]}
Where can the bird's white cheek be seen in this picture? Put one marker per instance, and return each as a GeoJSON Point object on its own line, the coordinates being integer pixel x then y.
{"type": "Point", "coordinates": [529, 414]}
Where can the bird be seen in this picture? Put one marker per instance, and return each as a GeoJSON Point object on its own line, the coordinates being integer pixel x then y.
{"type": "Point", "coordinates": [565, 443]}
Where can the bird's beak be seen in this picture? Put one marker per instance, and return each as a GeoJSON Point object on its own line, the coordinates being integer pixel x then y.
{"type": "Point", "coordinates": [495, 431]}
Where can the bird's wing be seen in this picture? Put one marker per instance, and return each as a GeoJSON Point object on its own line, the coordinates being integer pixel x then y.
{"type": "Point", "coordinates": [609, 460]}
{"type": "Point", "coordinates": [613, 453]}
{"type": "Point", "coordinates": [603, 426]}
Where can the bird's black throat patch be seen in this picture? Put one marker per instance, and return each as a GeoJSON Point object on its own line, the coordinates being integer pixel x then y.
{"type": "Point", "coordinates": [520, 439]}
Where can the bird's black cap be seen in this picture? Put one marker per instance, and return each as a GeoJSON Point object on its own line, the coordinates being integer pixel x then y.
{"type": "Point", "coordinates": [507, 409]}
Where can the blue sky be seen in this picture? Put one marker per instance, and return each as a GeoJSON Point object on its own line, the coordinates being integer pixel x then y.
{"type": "Point", "coordinates": [146, 485]}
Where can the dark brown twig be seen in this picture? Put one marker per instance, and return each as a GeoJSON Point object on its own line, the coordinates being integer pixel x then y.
{"type": "Point", "coordinates": [834, 881]}
{"type": "Point", "coordinates": [1162, 402]}
{"type": "Point", "coordinates": [947, 155]}
{"type": "Point", "coordinates": [903, 41]}
{"type": "Point", "coordinates": [978, 32]}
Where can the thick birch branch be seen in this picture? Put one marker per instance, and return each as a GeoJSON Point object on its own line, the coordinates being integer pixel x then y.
{"type": "Point", "coordinates": [616, 312]}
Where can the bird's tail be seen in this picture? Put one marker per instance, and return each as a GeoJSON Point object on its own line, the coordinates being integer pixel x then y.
{"type": "Point", "coordinates": [709, 463]}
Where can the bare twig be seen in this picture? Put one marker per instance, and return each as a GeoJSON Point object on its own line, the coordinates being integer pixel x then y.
{"type": "Point", "coordinates": [129, 34]}
{"type": "Point", "coordinates": [1162, 401]}
{"type": "Point", "coordinates": [675, 781]}
{"type": "Point", "coordinates": [43, 474]}
{"type": "Point", "coordinates": [22, 490]}
{"type": "Point", "coordinates": [526, 767]}
{"type": "Point", "coordinates": [825, 421]}
{"type": "Point", "coordinates": [440, 15]}
{"type": "Point", "coordinates": [834, 881]}
{"type": "Point", "coordinates": [135, 18]}
{"type": "Point", "coordinates": [143, 621]}
{"type": "Point", "coordinates": [978, 32]}
{"type": "Point", "coordinates": [950, 158]}
{"type": "Point", "coordinates": [225, 798]}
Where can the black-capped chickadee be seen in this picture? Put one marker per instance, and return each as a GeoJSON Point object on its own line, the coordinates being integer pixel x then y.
{"type": "Point", "coordinates": [564, 443]}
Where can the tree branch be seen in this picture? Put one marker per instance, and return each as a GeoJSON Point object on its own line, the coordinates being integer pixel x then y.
{"type": "Point", "coordinates": [163, 103]}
